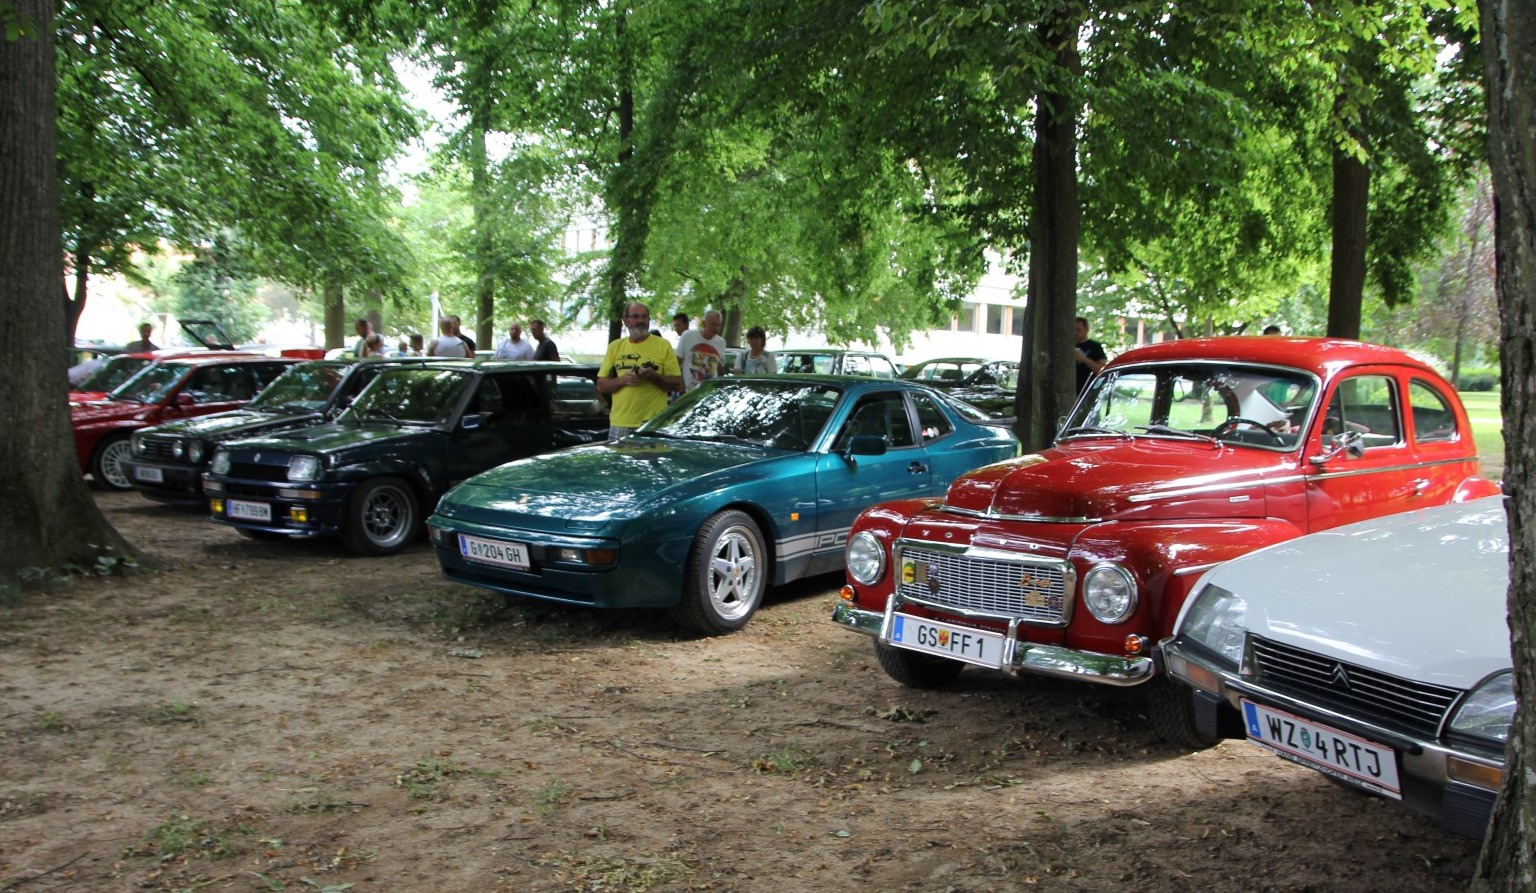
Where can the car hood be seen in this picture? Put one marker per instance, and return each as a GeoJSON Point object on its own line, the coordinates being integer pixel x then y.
{"type": "Point", "coordinates": [224, 425]}
{"type": "Point", "coordinates": [1419, 594]}
{"type": "Point", "coordinates": [108, 411]}
{"type": "Point", "coordinates": [602, 481]}
{"type": "Point", "coordinates": [332, 437]}
{"type": "Point", "coordinates": [1121, 479]}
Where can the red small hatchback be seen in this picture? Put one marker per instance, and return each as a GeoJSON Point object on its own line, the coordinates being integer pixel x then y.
{"type": "Point", "coordinates": [1074, 561]}
{"type": "Point", "coordinates": [180, 387]}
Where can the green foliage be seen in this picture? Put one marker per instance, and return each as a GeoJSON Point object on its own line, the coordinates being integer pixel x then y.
{"type": "Point", "coordinates": [1478, 378]}
{"type": "Point", "coordinates": [216, 284]}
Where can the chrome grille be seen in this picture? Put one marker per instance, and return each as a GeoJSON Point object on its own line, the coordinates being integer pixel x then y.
{"type": "Point", "coordinates": [1033, 591]}
{"type": "Point", "coordinates": [1391, 701]}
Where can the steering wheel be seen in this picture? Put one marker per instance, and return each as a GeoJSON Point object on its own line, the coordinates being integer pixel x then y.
{"type": "Point", "coordinates": [1230, 426]}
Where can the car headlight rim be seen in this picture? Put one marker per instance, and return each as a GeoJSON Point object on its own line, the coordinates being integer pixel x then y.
{"type": "Point", "coordinates": [305, 468]}
{"type": "Point", "coordinates": [864, 556]}
{"type": "Point", "coordinates": [220, 463]}
{"type": "Point", "coordinates": [1487, 711]}
{"type": "Point", "coordinates": [1217, 621]}
{"type": "Point", "coordinates": [1109, 592]}
{"type": "Point", "coordinates": [196, 450]}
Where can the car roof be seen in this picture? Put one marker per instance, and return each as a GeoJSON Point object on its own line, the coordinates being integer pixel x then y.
{"type": "Point", "coordinates": [1322, 356]}
{"type": "Point", "coordinates": [209, 357]}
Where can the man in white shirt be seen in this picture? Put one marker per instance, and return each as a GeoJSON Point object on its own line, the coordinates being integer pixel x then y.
{"type": "Point", "coordinates": [701, 351]}
{"type": "Point", "coordinates": [516, 347]}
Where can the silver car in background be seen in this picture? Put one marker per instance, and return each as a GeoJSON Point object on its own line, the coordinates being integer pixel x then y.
{"type": "Point", "coordinates": [1376, 653]}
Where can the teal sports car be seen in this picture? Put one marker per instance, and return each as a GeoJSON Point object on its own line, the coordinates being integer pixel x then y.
{"type": "Point", "coordinates": [740, 483]}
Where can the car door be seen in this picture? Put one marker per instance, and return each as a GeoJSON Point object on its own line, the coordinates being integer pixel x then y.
{"type": "Point", "coordinates": [504, 419]}
{"type": "Point", "coordinates": [846, 484]}
{"type": "Point", "coordinates": [1386, 478]}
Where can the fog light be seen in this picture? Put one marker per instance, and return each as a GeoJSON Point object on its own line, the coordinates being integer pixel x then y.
{"type": "Point", "coordinates": [298, 514]}
{"type": "Point", "coordinates": [216, 506]}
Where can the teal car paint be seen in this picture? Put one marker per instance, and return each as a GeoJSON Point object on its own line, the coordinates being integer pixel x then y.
{"type": "Point", "coordinates": [371, 475]}
{"type": "Point", "coordinates": [742, 483]}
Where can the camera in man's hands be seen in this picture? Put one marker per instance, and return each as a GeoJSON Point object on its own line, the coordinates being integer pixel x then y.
{"type": "Point", "coordinates": [650, 365]}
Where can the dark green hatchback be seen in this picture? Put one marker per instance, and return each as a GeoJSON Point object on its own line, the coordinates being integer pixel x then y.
{"type": "Point", "coordinates": [375, 473]}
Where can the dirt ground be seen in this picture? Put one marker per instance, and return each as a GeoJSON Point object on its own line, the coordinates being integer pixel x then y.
{"type": "Point", "coordinates": [257, 716]}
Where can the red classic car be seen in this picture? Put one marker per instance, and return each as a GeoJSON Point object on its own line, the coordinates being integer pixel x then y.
{"type": "Point", "coordinates": [180, 387]}
{"type": "Point", "coordinates": [1074, 561]}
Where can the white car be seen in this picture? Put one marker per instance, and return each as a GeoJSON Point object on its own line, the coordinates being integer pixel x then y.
{"type": "Point", "coordinates": [1377, 653]}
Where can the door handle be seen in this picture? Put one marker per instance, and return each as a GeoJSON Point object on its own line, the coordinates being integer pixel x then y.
{"type": "Point", "coordinates": [917, 468]}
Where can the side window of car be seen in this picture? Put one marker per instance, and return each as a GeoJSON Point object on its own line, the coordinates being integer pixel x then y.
{"type": "Point", "coordinates": [1433, 419]}
{"type": "Point", "coordinates": [932, 423]}
{"type": "Point", "coordinates": [212, 384]}
{"type": "Point", "coordinates": [1366, 404]}
{"type": "Point", "coordinates": [266, 372]}
{"type": "Point", "coordinates": [880, 367]}
{"type": "Point", "coordinates": [883, 415]}
{"type": "Point", "coordinates": [853, 364]}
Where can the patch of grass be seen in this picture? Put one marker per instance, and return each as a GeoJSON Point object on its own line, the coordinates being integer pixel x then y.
{"type": "Point", "coordinates": [319, 802]}
{"type": "Point", "coordinates": [554, 793]}
{"type": "Point", "coordinates": [785, 760]}
{"type": "Point", "coordinates": [421, 780]}
{"type": "Point", "coordinates": [172, 713]}
{"type": "Point", "coordinates": [635, 874]}
{"type": "Point", "coordinates": [52, 721]}
{"type": "Point", "coordinates": [1487, 427]}
{"type": "Point", "coordinates": [456, 613]}
{"type": "Point", "coordinates": [184, 837]}
{"type": "Point", "coordinates": [193, 778]}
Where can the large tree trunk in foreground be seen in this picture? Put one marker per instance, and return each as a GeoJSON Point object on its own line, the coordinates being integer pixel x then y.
{"type": "Point", "coordinates": [47, 517]}
{"type": "Point", "coordinates": [1047, 385]}
{"type": "Point", "coordinates": [1508, 860]}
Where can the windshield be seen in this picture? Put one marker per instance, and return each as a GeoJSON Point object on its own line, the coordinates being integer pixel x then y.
{"type": "Point", "coordinates": [113, 373]}
{"type": "Point", "coordinates": [943, 371]}
{"type": "Point", "coordinates": [307, 386]}
{"type": "Point", "coordinates": [1233, 403]}
{"type": "Point", "coordinates": [781, 415]}
{"type": "Point", "coordinates": [417, 396]}
{"type": "Point", "coordinates": [152, 383]}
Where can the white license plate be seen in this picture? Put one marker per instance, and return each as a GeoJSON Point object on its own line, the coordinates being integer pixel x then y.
{"type": "Point", "coordinates": [961, 643]}
{"type": "Point", "coordinates": [148, 475]}
{"type": "Point", "coordinates": [1321, 747]}
{"type": "Point", "coordinates": [248, 511]}
{"type": "Point", "coordinates": [473, 548]}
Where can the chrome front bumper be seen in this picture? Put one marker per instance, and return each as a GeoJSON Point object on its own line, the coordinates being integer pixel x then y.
{"type": "Point", "coordinates": [1021, 656]}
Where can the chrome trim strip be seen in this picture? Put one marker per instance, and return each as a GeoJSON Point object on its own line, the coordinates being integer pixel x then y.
{"type": "Point", "coordinates": [1327, 475]}
{"type": "Point", "coordinates": [983, 552]}
{"type": "Point", "coordinates": [993, 516]}
{"type": "Point", "coordinates": [1259, 483]}
{"type": "Point", "coordinates": [1195, 569]}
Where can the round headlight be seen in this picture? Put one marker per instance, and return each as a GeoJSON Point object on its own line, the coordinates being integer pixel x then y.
{"type": "Point", "coordinates": [220, 463]}
{"type": "Point", "coordinates": [1109, 593]}
{"type": "Point", "coordinates": [1488, 710]}
{"type": "Point", "coordinates": [865, 558]}
{"type": "Point", "coordinates": [304, 468]}
{"type": "Point", "coordinates": [138, 445]}
{"type": "Point", "coordinates": [1217, 619]}
{"type": "Point", "coordinates": [195, 451]}
{"type": "Point", "coordinates": [178, 447]}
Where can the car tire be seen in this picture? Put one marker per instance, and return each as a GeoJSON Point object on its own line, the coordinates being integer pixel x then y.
{"type": "Point", "coordinates": [917, 670]}
{"type": "Point", "coordinates": [107, 463]}
{"type": "Point", "coordinates": [382, 517]}
{"type": "Point", "coordinates": [1171, 707]}
{"type": "Point", "coordinates": [726, 575]}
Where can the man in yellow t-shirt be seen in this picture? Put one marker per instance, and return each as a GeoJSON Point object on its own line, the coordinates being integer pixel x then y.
{"type": "Point", "coordinates": [637, 374]}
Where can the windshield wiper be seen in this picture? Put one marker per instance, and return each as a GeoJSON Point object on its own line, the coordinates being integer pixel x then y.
{"type": "Point", "coordinates": [1177, 432]}
{"type": "Point", "coordinates": [381, 411]}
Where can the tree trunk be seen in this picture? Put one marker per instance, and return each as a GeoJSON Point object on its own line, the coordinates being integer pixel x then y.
{"type": "Point", "coordinates": [333, 299]}
{"type": "Point", "coordinates": [1047, 386]}
{"type": "Point", "coordinates": [47, 518]}
{"type": "Point", "coordinates": [1508, 859]}
{"type": "Point", "coordinates": [1346, 283]}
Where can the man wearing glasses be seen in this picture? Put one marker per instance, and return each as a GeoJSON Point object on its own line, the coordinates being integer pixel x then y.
{"type": "Point", "coordinates": [637, 374]}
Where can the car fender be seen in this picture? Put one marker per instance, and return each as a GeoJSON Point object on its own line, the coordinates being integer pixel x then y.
{"type": "Point", "coordinates": [420, 478]}
{"type": "Point", "coordinates": [1476, 488]}
{"type": "Point", "coordinates": [1166, 557]}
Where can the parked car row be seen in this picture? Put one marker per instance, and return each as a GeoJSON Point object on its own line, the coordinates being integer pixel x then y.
{"type": "Point", "coordinates": [1256, 532]}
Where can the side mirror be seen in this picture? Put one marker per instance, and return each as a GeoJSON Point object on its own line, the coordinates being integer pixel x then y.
{"type": "Point", "coordinates": [472, 422]}
{"type": "Point", "coordinates": [865, 445]}
{"type": "Point", "coordinates": [1350, 443]}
